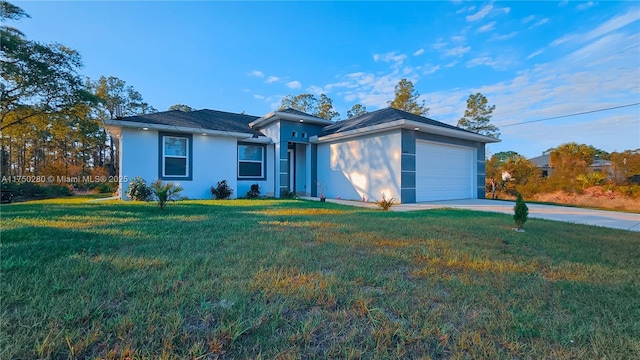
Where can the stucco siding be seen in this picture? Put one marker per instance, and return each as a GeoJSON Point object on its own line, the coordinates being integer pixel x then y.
{"type": "Point", "coordinates": [214, 159]}
{"type": "Point", "coordinates": [363, 167]}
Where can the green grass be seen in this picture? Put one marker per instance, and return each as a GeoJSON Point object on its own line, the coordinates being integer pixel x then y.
{"type": "Point", "coordinates": [297, 279]}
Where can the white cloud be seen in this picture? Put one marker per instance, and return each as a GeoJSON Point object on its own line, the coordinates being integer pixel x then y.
{"type": "Point", "coordinates": [458, 38]}
{"type": "Point", "coordinates": [458, 51]}
{"type": "Point", "coordinates": [480, 14]}
{"type": "Point", "coordinates": [506, 10]}
{"type": "Point", "coordinates": [258, 96]}
{"type": "Point", "coordinates": [481, 60]}
{"type": "Point", "coordinates": [294, 84]}
{"type": "Point", "coordinates": [418, 52]}
{"type": "Point", "coordinates": [505, 36]}
{"type": "Point", "coordinates": [272, 79]}
{"type": "Point", "coordinates": [609, 26]}
{"type": "Point", "coordinates": [438, 45]}
{"type": "Point", "coordinates": [535, 53]}
{"type": "Point", "coordinates": [431, 69]}
{"type": "Point", "coordinates": [540, 22]}
{"type": "Point", "coordinates": [316, 90]}
{"type": "Point", "coordinates": [488, 27]}
{"type": "Point", "coordinates": [256, 73]}
{"type": "Point", "coordinates": [528, 19]}
{"type": "Point", "coordinates": [390, 57]}
{"type": "Point", "coordinates": [585, 5]}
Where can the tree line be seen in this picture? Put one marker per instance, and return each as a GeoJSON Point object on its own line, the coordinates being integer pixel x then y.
{"type": "Point", "coordinates": [569, 169]}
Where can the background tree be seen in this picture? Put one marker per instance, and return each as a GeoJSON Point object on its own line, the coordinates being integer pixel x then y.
{"type": "Point", "coordinates": [308, 103]}
{"type": "Point", "coordinates": [625, 165]}
{"type": "Point", "coordinates": [325, 108]}
{"type": "Point", "coordinates": [181, 107]}
{"type": "Point", "coordinates": [356, 110]}
{"type": "Point", "coordinates": [568, 161]}
{"type": "Point", "coordinates": [477, 117]}
{"type": "Point", "coordinates": [406, 99]}
{"type": "Point", "coordinates": [35, 78]}
{"type": "Point", "coordinates": [116, 99]}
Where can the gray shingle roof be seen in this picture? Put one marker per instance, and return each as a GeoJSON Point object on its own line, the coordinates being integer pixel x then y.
{"type": "Point", "coordinates": [297, 112]}
{"type": "Point", "coordinates": [200, 119]}
{"type": "Point", "coordinates": [380, 117]}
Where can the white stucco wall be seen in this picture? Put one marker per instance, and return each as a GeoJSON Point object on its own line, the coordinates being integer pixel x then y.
{"type": "Point", "coordinates": [366, 166]}
{"type": "Point", "coordinates": [214, 159]}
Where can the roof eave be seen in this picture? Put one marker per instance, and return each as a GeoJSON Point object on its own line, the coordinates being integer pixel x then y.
{"type": "Point", "coordinates": [406, 124]}
{"type": "Point", "coordinates": [160, 127]}
{"type": "Point", "coordinates": [275, 115]}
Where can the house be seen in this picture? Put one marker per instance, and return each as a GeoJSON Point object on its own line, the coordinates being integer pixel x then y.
{"type": "Point", "coordinates": [543, 163]}
{"type": "Point", "coordinates": [401, 155]}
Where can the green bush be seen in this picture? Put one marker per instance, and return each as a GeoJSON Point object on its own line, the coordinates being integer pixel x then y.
{"type": "Point", "coordinates": [29, 190]}
{"type": "Point", "coordinates": [166, 192]}
{"type": "Point", "coordinates": [222, 190]}
{"type": "Point", "coordinates": [288, 194]}
{"type": "Point", "coordinates": [254, 192]}
{"type": "Point", "coordinates": [138, 190]}
{"type": "Point", "coordinates": [105, 188]}
{"type": "Point", "coordinates": [521, 212]}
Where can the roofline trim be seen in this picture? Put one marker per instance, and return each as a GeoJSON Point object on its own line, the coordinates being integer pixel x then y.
{"type": "Point", "coordinates": [184, 129]}
{"type": "Point", "coordinates": [405, 124]}
{"type": "Point", "coordinates": [274, 115]}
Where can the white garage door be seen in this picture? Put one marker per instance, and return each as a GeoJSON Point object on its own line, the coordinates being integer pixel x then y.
{"type": "Point", "coordinates": [444, 172]}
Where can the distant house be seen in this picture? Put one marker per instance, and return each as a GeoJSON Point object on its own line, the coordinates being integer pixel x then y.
{"type": "Point", "coordinates": [543, 163]}
{"type": "Point", "coordinates": [391, 152]}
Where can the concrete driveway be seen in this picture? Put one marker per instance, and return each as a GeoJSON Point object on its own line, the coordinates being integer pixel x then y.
{"type": "Point", "coordinates": [610, 219]}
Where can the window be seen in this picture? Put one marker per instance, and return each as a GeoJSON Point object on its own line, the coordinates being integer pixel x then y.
{"type": "Point", "coordinates": [304, 135]}
{"type": "Point", "coordinates": [294, 134]}
{"type": "Point", "coordinates": [251, 161]}
{"type": "Point", "coordinates": [175, 156]}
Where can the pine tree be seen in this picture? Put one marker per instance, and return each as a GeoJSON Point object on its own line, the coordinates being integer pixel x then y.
{"type": "Point", "coordinates": [406, 99]}
{"type": "Point", "coordinates": [477, 117]}
{"type": "Point", "coordinates": [521, 213]}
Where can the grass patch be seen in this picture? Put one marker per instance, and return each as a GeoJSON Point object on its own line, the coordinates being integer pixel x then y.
{"type": "Point", "coordinates": [302, 279]}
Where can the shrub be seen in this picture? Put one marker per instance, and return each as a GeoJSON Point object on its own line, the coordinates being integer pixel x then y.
{"type": "Point", "coordinates": [166, 192]}
{"type": "Point", "coordinates": [385, 204]}
{"type": "Point", "coordinates": [105, 188]}
{"type": "Point", "coordinates": [138, 190]}
{"type": "Point", "coordinates": [521, 212]}
{"type": "Point", "coordinates": [254, 192]}
{"type": "Point", "coordinates": [288, 194]}
{"type": "Point", "coordinates": [222, 190]}
{"type": "Point", "coordinates": [29, 190]}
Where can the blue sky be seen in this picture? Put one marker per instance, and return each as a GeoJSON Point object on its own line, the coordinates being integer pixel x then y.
{"type": "Point", "coordinates": [533, 60]}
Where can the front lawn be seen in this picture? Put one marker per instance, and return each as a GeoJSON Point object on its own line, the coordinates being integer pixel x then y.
{"type": "Point", "coordinates": [300, 279]}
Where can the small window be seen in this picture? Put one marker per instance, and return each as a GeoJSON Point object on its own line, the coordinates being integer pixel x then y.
{"type": "Point", "coordinates": [294, 134]}
{"type": "Point", "coordinates": [175, 162]}
{"type": "Point", "coordinates": [304, 135]}
{"type": "Point", "coordinates": [251, 161]}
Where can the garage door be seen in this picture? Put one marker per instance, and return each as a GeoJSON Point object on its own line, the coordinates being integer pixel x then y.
{"type": "Point", "coordinates": [444, 172]}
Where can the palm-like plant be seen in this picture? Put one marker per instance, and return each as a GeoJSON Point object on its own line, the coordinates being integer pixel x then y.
{"type": "Point", "coordinates": [166, 192]}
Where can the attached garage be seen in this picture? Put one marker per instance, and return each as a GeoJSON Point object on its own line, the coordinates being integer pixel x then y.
{"type": "Point", "coordinates": [444, 172]}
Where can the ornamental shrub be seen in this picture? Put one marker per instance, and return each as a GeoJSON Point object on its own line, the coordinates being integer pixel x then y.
{"type": "Point", "coordinates": [138, 190]}
{"type": "Point", "coordinates": [521, 212]}
{"type": "Point", "coordinates": [386, 204]}
{"type": "Point", "coordinates": [166, 192]}
{"type": "Point", "coordinates": [254, 192]}
{"type": "Point", "coordinates": [222, 190]}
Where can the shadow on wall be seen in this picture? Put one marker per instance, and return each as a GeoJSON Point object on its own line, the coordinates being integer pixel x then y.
{"type": "Point", "coordinates": [364, 168]}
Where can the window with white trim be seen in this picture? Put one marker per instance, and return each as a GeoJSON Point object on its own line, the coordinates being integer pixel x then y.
{"type": "Point", "coordinates": [251, 160]}
{"type": "Point", "coordinates": [175, 156]}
